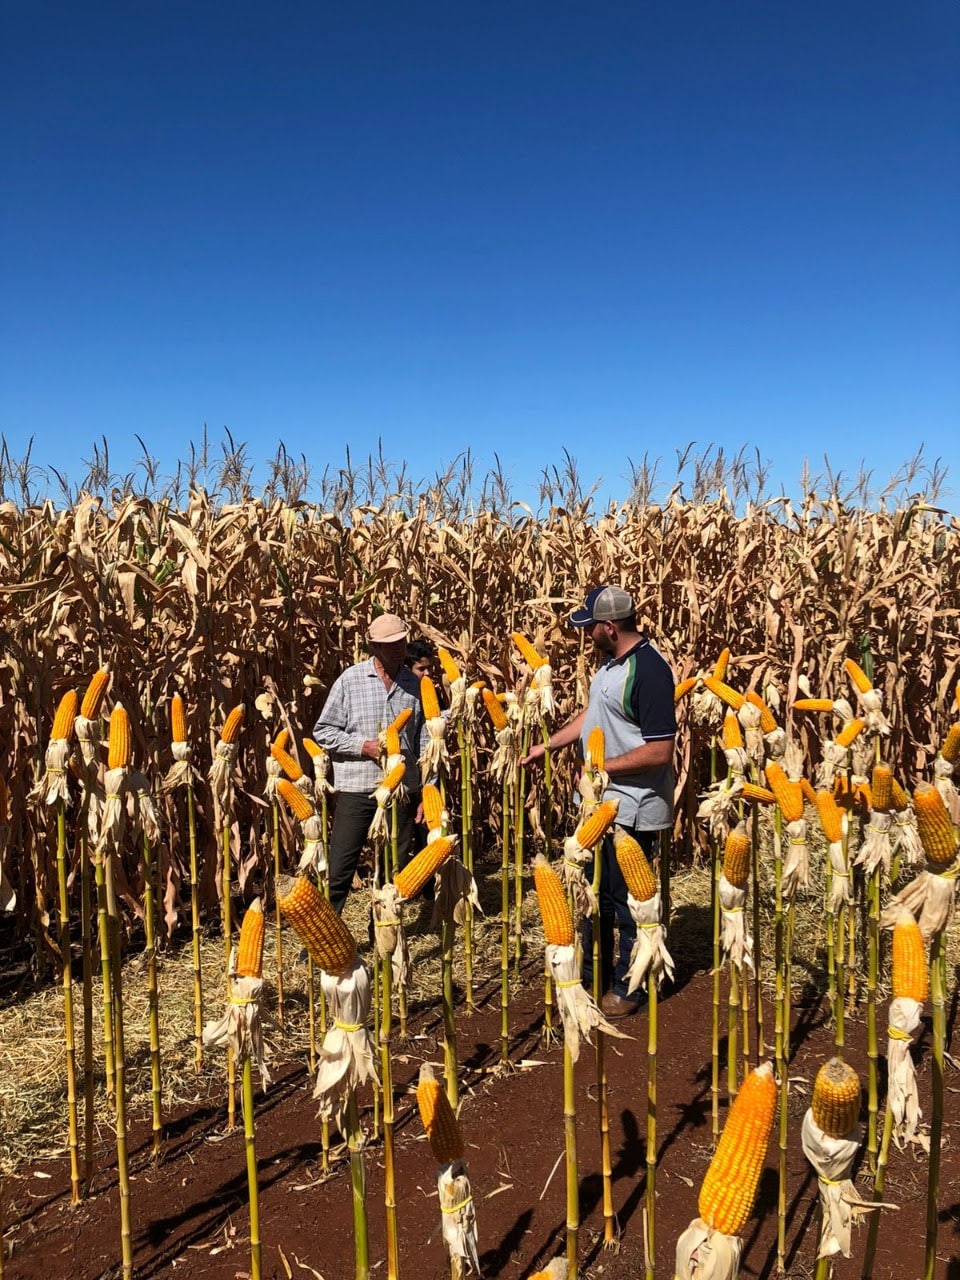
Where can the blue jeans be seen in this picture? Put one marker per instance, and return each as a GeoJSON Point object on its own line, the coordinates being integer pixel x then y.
{"type": "Point", "coordinates": [613, 909]}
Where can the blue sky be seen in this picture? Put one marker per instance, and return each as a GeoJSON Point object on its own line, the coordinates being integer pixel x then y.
{"type": "Point", "coordinates": [613, 228]}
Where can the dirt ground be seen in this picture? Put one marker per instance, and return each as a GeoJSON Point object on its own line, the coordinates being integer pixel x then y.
{"type": "Point", "coordinates": [190, 1211]}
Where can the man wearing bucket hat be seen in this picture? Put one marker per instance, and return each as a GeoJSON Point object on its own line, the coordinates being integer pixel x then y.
{"type": "Point", "coordinates": [363, 700]}
{"type": "Point", "coordinates": [631, 699]}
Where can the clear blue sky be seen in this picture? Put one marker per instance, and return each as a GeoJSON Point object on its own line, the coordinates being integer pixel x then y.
{"type": "Point", "coordinates": [613, 227]}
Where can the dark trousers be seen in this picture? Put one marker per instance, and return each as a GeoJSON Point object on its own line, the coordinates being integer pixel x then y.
{"type": "Point", "coordinates": [351, 824]}
{"type": "Point", "coordinates": [613, 910]}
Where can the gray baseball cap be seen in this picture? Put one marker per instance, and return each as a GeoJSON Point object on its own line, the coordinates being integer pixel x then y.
{"type": "Point", "coordinates": [603, 604]}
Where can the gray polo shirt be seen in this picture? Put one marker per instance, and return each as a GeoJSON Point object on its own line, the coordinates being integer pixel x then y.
{"type": "Point", "coordinates": [631, 699]}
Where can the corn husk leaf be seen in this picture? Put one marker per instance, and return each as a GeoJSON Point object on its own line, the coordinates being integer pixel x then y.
{"type": "Point", "coordinates": [346, 1056]}
{"type": "Point", "coordinates": [458, 1216]}
{"type": "Point", "coordinates": [649, 957]}
{"type": "Point", "coordinates": [737, 943]}
{"type": "Point", "coordinates": [705, 1254]}
{"type": "Point", "coordinates": [578, 1011]}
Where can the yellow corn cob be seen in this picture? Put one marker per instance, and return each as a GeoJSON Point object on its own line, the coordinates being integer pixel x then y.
{"type": "Point", "coordinates": [401, 719]}
{"type": "Point", "coordinates": [863, 797]}
{"type": "Point", "coordinates": [498, 717]}
{"type": "Point", "coordinates": [320, 929]}
{"type": "Point", "coordinates": [723, 691]}
{"type": "Point", "coordinates": [684, 687]}
{"type": "Point", "coordinates": [730, 1186]}
{"type": "Point", "coordinates": [881, 788]}
{"type": "Point", "coordinates": [281, 740]}
{"type": "Point", "coordinates": [809, 794]}
{"type": "Point", "coordinates": [552, 900]}
{"type": "Point", "coordinates": [233, 725]}
{"type": "Point", "coordinates": [411, 878]}
{"type": "Point", "coordinates": [596, 747]}
{"type": "Point", "coordinates": [438, 1119]}
{"type": "Point", "coordinates": [836, 1098]}
{"type": "Point", "coordinates": [450, 668]}
{"type": "Point", "coordinates": [788, 794]}
{"type": "Point", "coordinates": [720, 666]}
{"type": "Point", "coordinates": [118, 743]}
{"type": "Point", "coordinates": [299, 805]}
{"type": "Point", "coordinates": [66, 714]}
{"type": "Point", "coordinates": [287, 763]}
{"type": "Point", "coordinates": [250, 949]}
{"type": "Point", "coordinates": [831, 816]}
{"type": "Point", "coordinates": [937, 835]}
{"type": "Point", "coordinates": [178, 719]}
{"type": "Point", "coordinates": [857, 674]}
{"type": "Point", "coordinates": [392, 741]}
{"type": "Point", "coordinates": [312, 749]}
{"type": "Point", "coordinates": [528, 652]}
{"type": "Point", "coordinates": [901, 800]}
{"type": "Point", "coordinates": [633, 863]}
{"type": "Point", "coordinates": [736, 857]}
{"type": "Point", "coordinates": [732, 733]}
{"type": "Point", "coordinates": [767, 721]}
{"type": "Point", "coordinates": [393, 779]}
{"type": "Point", "coordinates": [850, 732]}
{"type": "Point", "coordinates": [752, 792]}
{"type": "Point", "coordinates": [592, 830]}
{"type": "Point", "coordinates": [951, 745]}
{"type": "Point", "coordinates": [93, 698]}
{"type": "Point", "coordinates": [911, 979]}
{"type": "Point", "coordinates": [428, 696]}
{"type": "Point", "coordinates": [432, 806]}
{"type": "Point", "coordinates": [814, 704]}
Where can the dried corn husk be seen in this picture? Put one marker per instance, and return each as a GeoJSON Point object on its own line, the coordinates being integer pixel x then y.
{"type": "Point", "coordinates": [389, 933]}
{"type": "Point", "coordinates": [52, 788]}
{"type": "Point", "coordinates": [903, 1099]}
{"type": "Point", "coordinates": [943, 781]}
{"type": "Point", "coordinates": [736, 941]}
{"type": "Point", "coordinates": [274, 774]}
{"type": "Point", "coordinates": [796, 863]}
{"type": "Point", "coordinates": [503, 764]}
{"type": "Point", "coordinates": [456, 888]}
{"type": "Point", "coordinates": [577, 1008]}
{"type": "Point", "coordinates": [240, 1028]}
{"type": "Point", "coordinates": [876, 848]}
{"type": "Point", "coordinates": [8, 896]}
{"type": "Point", "coordinates": [182, 771]}
{"type": "Point", "coordinates": [705, 1254]}
{"type": "Point", "coordinates": [314, 855]}
{"type": "Point", "coordinates": [572, 871]}
{"type": "Point", "coordinates": [221, 772]}
{"type": "Point", "coordinates": [833, 1160]}
{"type": "Point", "coordinates": [346, 1055]}
{"type": "Point", "coordinates": [458, 1217]}
{"type": "Point", "coordinates": [930, 897]}
{"type": "Point", "coordinates": [435, 755]}
{"type": "Point", "coordinates": [649, 957]}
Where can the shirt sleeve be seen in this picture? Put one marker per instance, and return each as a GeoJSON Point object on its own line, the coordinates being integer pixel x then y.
{"type": "Point", "coordinates": [331, 730]}
{"type": "Point", "coordinates": [651, 701]}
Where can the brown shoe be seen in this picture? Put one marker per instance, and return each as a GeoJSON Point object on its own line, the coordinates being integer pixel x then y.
{"type": "Point", "coordinates": [614, 1006]}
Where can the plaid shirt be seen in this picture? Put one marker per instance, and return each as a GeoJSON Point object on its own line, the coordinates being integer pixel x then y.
{"type": "Point", "coordinates": [357, 708]}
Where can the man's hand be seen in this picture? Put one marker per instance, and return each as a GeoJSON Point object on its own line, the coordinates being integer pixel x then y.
{"type": "Point", "coordinates": [371, 749]}
{"type": "Point", "coordinates": [537, 752]}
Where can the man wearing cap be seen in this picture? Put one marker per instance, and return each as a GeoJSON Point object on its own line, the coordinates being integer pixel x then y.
{"type": "Point", "coordinates": [363, 700]}
{"type": "Point", "coordinates": [631, 700]}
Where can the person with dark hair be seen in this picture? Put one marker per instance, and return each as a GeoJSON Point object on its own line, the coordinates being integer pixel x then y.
{"type": "Point", "coordinates": [631, 699]}
{"type": "Point", "coordinates": [421, 656]}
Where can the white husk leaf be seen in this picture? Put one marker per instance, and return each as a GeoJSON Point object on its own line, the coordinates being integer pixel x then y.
{"type": "Point", "coordinates": [943, 781]}
{"type": "Point", "coordinates": [542, 686]}
{"type": "Point", "coordinates": [649, 955]}
{"type": "Point", "coordinates": [8, 896]}
{"type": "Point", "coordinates": [577, 1008]}
{"type": "Point", "coordinates": [591, 785]}
{"type": "Point", "coordinates": [140, 807]}
{"type": "Point", "coordinates": [221, 772]}
{"type": "Point", "coordinates": [314, 856]}
{"type": "Point", "coordinates": [930, 897]}
{"type": "Point", "coordinates": [321, 773]}
{"type": "Point", "coordinates": [737, 943]}
{"type": "Point", "coordinates": [503, 764]}
{"type": "Point", "coordinates": [273, 777]}
{"type": "Point", "coordinates": [455, 888]}
{"type": "Point", "coordinates": [840, 891]}
{"type": "Point", "coordinates": [903, 1098]}
{"type": "Point", "coordinates": [435, 754]}
{"type": "Point", "coordinates": [796, 864]}
{"type": "Point", "coordinates": [458, 698]}
{"type": "Point", "coordinates": [113, 818]}
{"type": "Point", "coordinates": [240, 1028]}
{"type": "Point", "coordinates": [738, 760]}
{"type": "Point", "coordinates": [719, 808]}
{"type": "Point", "coordinates": [871, 704]}
{"type": "Point", "coordinates": [346, 1055]}
{"type": "Point", "coordinates": [182, 771]}
{"type": "Point", "coordinates": [571, 871]}
{"type": "Point", "coordinates": [833, 1160]}
{"type": "Point", "coordinates": [388, 931]}
{"type": "Point", "coordinates": [380, 826]}
{"type": "Point", "coordinates": [705, 1254]}
{"type": "Point", "coordinates": [457, 1214]}
{"type": "Point", "coordinates": [86, 731]}
{"type": "Point", "coordinates": [876, 849]}
{"type": "Point", "coordinates": [52, 787]}
{"type": "Point", "coordinates": [834, 758]}
{"type": "Point", "coordinates": [905, 838]}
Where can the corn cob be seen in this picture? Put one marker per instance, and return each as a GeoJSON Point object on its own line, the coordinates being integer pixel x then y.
{"type": "Point", "coordinates": [732, 733]}
{"type": "Point", "coordinates": [432, 806]}
{"type": "Point", "coordinates": [498, 717]}
{"type": "Point", "coordinates": [901, 800]}
{"type": "Point", "coordinates": [684, 687]}
{"type": "Point", "coordinates": [411, 878]}
{"type": "Point", "coordinates": [93, 698]}
{"type": "Point", "coordinates": [287, 763]}
{"type": "Point", "coordinates": [836, 1098]}
{"type": "Point", "coordinates": [881, 788]}
{"type": "Point", "coordinates": [592, 830]}
{"type": "Point", "coordinates": [392, 741]}
{"type": "Point", "coordinates": [312, 749]}
{"type": "Point", "coordinates": [178, 719]}
{"type": "Point", "coordinates": [736, 857]}
{"type": "Point", "coordinates": [951, 745]}
{"type": "Point", "coordinates": [730, 1186]}
{"type": "Point", "coordinates": [859, 677]}
{"type": "Point", "coordinates": [637, 872]}
{"type": "Point", "coordinates": [752, 792]}
{"type": "Point", "coordinates": [233, 725]}
{"type": "Point", "coordinates": [118, 743]}
{"type": "Point", "coordinates": [66, 714]}
{"type": "Point", "coordinates": [723, 691]}
{"type": "Point", "coordinates": [401, 719]}
{"type": "Point", "coordinates": [299, 804]}
{"type": "Point", "coordinates": [937, 835]}
{"type": "Point", "coordinates": [850, 732]}
{"type": "Point", "coordinates": [320, 929]}
{"type": "Point", "coordinates": [596, 748]}
{"type": "Point", "coordinates": [450, 668]}
{"type": "Point", "coordinates": [788, 794]}
{"type": "Point", "coordinates": [768, 722]}
{"type": "Point", "coordinates": [428, 697]}
{"type": "Point", "coordinates": [720, 666]}
{"type": "Point", "coordinates": [393, 779]}
{"type": "Point", "coordinates": [911, 978]}
{"type": "Point", "coordinates": [831, 816]}
{"type": "Point", "coordinates": [438, 1119]}
{"type": "Point", "coordinates": [281, 740]}
{"type": "Point", "coordinates": [809, 794]}
{"type": "Point", "coordinates": [528, 652]}
{"type": "Point", "coordinates": [813, 704]}
{"type": "Point", "coordinates": [250, 948]}
{"type": "Point", "coordinates": [552, 900]}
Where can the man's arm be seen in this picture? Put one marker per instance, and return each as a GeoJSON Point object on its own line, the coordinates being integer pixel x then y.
{"type": "Point", "coordinates": [652, 755]}
{"type": "Point", "coordinates": [331, 732]}
{"type": "Point", "coordinates": [570, 732]}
